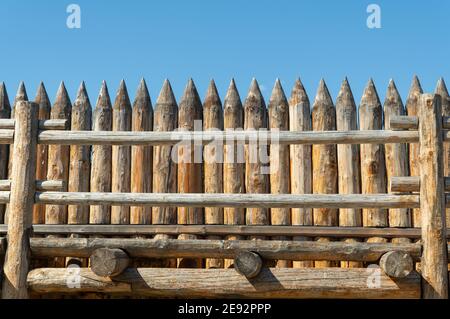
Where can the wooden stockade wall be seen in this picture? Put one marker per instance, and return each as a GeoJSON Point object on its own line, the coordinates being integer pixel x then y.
{"type": "Point", "coordinates": [339, 197]}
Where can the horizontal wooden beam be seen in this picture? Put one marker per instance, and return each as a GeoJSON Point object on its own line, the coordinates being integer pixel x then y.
{"type": "Point", "coordinates": [405, 122]}
{"type": "Point", "coordinates": [205, 137]}
{"type": "Point", "coordinates": [56, 185]}
{"type": "Point", "coordinates": [224, 230]}
{"type": "Point", "coordinates": [230, 200]}
{"type": "Point", "coordinates": [202, 248]}
{"type": "Point", "coordinates": [53, 124]}
{"type": "Point", "coordinates": [223, 283]}
{"type": "Point", "coordinates": [412, 184]}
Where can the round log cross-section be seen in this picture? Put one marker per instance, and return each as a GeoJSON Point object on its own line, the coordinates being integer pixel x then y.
{"type": "Point", "coordinates": [106, 262]}
{"type": "Point", "coordinates": [248, 263]}
{"type": "Point", "coordinates": [397, 264]}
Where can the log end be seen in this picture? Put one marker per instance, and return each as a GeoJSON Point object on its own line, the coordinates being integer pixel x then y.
{"type": "Point", "coordinates": [397, 264]}
{"type": "Point", "coordinates": [248, 264]}
{"type": "Point", "coordinates": [106, 262]}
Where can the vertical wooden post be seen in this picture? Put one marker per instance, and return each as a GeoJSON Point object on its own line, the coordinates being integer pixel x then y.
{"type": "Point", "coordinates": [432, 199]}
{"type": "Point", "coordinates": [101, 157]}
{"type": "Point", "coordinates": [5, 113]}
{"type": "Point", "coordinates": [412, 108]}
{"type": "Point", "coordinates": [17, 258]}
{"type": "Point", "coordinates": [164, 166]}
{"type": "Point", "coordinates": [213, 159]}
{"type": "Point", "coordinates": [256, 179]}
{"type": "Point", "coordinates": [121, 155]}
{"type": "Point", "coordinates": [373, 168]}
{"type": "Point", "coordinates": [279, 160]}
{"type": "Point", "coordinates": [324, 160]}
{"type": "Point", "coordinates": [234, 166]}
{"type": "Point", "coordinates": [80, 161]}
{"type": "Point", "coordinates": [396, 159]}
{"type": "Point", "coordinates": [348, 162]}
{"type": "Point", "coordinates": [190, 172]}
{"type": "Point", "coordinates": [301, 161]}
{"type": "Point", "coordinates": [42, 151]}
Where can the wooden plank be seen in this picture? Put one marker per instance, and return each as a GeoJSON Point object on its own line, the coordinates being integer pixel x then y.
{"type": "Point", "coordinates": [213, 159]}
{"type": "Point", "coordinates": [5, 113]}
{"type": "Point", "coordinates": [279, 160]}
{"type": "Point", "coordinates": [121, 155]}
{"type": "Point", "coordinates": [432, 199]}
{"type": "Point", "coordinates": [190, 170]}
{"type": "Point", "coordinates": [349, 169]}
{"type": "Point", "coordinates": [101, 157]}
{"type": "Point", "coordinates": [324, 162]}
{"type": "Point", "coordinates": [271, 283]}
{"type": "Point", "coordinates": [17, 258]}
{"type": "Point", "coordinates": [44, 123]}
{"type": "Point", "coordinates": [300, 160]}
{"type": "Point", "coordinates": [234, 161]}
{"type": "Point", "coordinates": [5, 185]}
{"type": "Point", "coordinates": [412, 184]}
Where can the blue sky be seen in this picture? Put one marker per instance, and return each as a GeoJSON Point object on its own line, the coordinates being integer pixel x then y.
{"type": "Point", "coordinates": [220, 39]}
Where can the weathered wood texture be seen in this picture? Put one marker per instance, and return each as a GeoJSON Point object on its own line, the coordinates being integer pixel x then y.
{"type": "Point", "coordinates": [324, 161]}
{"type": "Point", "coordinates": [17, 258]}
{"type": "Point", "coordinates": [256, 157]}
{"type": "Point", "coordinates": [271, 283]}
{"type": "Point", "coordinates": [121, 155]}
{"type": "Point", "coordinates": [349, 169]}
{"type": "Point", "coordinates": [234, 161]}
{"type": "Point", "coordinates": [213, 159]}
{"type": "Point", "coordinates": [5, 185]}
{"type": "Point", "coordinates": [5, 113]}
{"type": "Point", "coordinates": [397, 264]}
{"type": "Point", "coordinates": [190, 170]}
{"type": "Point", "coordinates": [412, 184]}
{"type": "Point", "coordinates": [432, 198]}
{"type": "Point", "coordinates": [248, 264]}
{"type": "Point", "coordinates": [109, 262]}
{"type": "Point", "coordinates": [300, 160]}
{"type": "Point", "coordinates": [101, 157]}
{"type": "Point", "coordinates": [373, 168]}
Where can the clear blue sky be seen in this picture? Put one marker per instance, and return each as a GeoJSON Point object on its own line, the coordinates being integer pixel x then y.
{"type": "Point", "coordinates": [221, 39]}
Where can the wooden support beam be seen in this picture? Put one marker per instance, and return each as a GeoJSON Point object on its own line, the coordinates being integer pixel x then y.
{"type": "Point", "coordinates": [432, 199]}
{"type": "Point", "coordinates": [231, 200]}
{"type": "Point", "coordinates": [17, 257]}
{"type": "Point", "coordinates": [109, 262]}
{"type": "Point", "coordinates": [5, 185]}
{"type": "Point", "coordinates": [412, 184]}
{"type": "Point", "coordinates": [54, 124]}
{"type": "Point", "coordinates": [202, 283]}
{"type": "Point", "coordinates": [397, 264]}
{"type": "Point", "coordinates": [248, 264]}
{"type": "Point", "coordinates": [268, 249]}
{"type": "Point", "coordinates": [403, 122]}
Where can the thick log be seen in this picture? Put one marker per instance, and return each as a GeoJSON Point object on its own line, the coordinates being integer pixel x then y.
{"type": "Point", "coordinates": [373, 168]}
{"type": "Point", "coordinates": [101, 157]}
{"type": "Point", "coordinates": [204, 248]}
{"type": "Point", "coordinates": [397, 264]}
{"type": "Point", "coordinates": [248, 264]}
{"type": "Point", "coordinates": [109, 262]}
{"type": "Point", "coordinates": [213, 159]}
{"type": "Point", "coordinates": [432, 199]}
{"type": "Point", "coordinates": [121, 155]}
{"type": "Point", "coordinates": [17, 258]}
{"type": "Point", "coordinates": [349, 170]}
{"type": "Point", "coordinates": [141, 156]}
{"type": "Point", "coordinates": [44, 123]}
{"type": "Point", "coordinates": [300, 159]}
{"type": "Point", "coordinates": [324, 161]}
{"type": "Point", "coordinates": [279, 159]}
{"type": "Point", "coordinates": [260, 201]}
{"type": "Point", "coordinates": [233, 167]}
{"type": "Point", "coordinates": [5, 113]}
{"type": "Point", "coordinates": [5, 185]}
{"type": "Point", "coordinates": [271, 283]}
{"type": "Point", "coordinates": [412, 184]}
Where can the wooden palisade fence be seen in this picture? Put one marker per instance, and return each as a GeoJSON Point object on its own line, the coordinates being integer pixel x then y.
{"type": "Point", "coordinates": [316, 192]}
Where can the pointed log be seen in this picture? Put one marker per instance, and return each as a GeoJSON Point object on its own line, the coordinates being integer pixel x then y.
{"type": "Point", "coordinates": [101, 157]}
{"type": "Point", "coordinates": [300, 160]}
{"type": "Point", "coordinates": [121, 155]}
{"type": "Point", "coordinates": [234, 165]}
{"type": "Point", "coordinates": [190, 179]}
{"type": "Point", "coordinates": [324, 161]}
{"type": "Point", "coordinates": [213, 159]}
{"type": "Point", "coordinates": [5, 113]}
{"type": "Point", "coordinates": [256, 154]}
{"type": "Point", "coordinates": [373, 168]}
{"type": "Point", "coordinates": [349, 168]}
{"type": "Point", "coordinates": [279, 159]}
{"type": "Point", "coordinates": [141, 156]}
